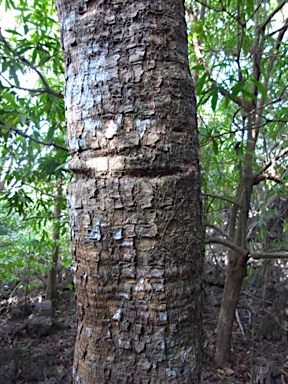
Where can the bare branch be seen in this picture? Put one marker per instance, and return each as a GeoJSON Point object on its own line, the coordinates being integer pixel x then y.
{"type": "Point", "coordinates": [269, 17]}
{"type": "Point", "coordinates": [282, 154]}
{"type": "Point", "coordinates": [232, 16]}
{"type": "Point", "coordinates": [219, 240]}
{"type": "Point", "coordinates": [274, 178]}
{"type": "Point", "coordinates": [43, 217]}
{"type": "Point", "coordinates": [223, 233]}
{"type": "Point", "coordinates": [281, 35]}
{"type": "Point", "coordinates": [268, 255]}
{"type": "Point", "coordinates": [44, 193]}
{"type": "Point", "coordinates": [245, 252]}
{"type": "Point", "coordinates": [255, 10]}
{"type": "Point", "coordinates": [219, 10]}
{"type": "Point", "coordinates": [49, 144]}
{"type": "Point", "coordinates": [203, 3]}
{"type": "Point", "coordinates": [278, 30]}
{"type": "Point", "coordinates": [239, 323]}
{"type": "Point", "coordinates": [47, 88]}
{"type": "Point", "coordinates": [203, 10]}
{"type": "Point", "coordinates": [230, 199]}
{"type": "Point", "coordinates": [280, 98]}
{"type": "Point", "coordinates": [32, 90]}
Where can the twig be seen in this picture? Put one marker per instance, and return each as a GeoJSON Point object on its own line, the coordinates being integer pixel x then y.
{"type": "Point", "coordinates": [49, 144]}
{"type": "Point", "coordinates": [277, 9]}
{"type": "Point", "coordinates": [239, 323]}
{"type": "Point", "coordinates": [11, 295]}
{"type": "Point", "coordinates": [219, 240]}
{"type": "Point", "coordinates": [282, 154]}
{"type": "Point", "coordinates": [48, 89]}
{"type": "Point", "coordinates": [229, 199]}
{"type": "Point", "coordinates": [277, 320]}
{"type": "Point", "coordinates": [223, 233]}
{"type": "Point", "coordinates": [268, 255]}
{"type": "Point", "coordinates": [43, 217]}
{"type": "Point", "coordinates": [39, 91]}
{"type": "Point", "coordinates": [44, 193]}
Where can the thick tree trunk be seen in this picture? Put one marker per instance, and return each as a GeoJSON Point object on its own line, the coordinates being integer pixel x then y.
{"type": "Point", "coordinates": [135, 207]}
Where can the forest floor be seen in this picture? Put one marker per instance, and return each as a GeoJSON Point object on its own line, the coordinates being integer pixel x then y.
{"type": "Point", "coordinates": [260, 354]}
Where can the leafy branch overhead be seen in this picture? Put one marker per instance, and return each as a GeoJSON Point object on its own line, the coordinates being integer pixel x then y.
{"type": "Point", "coordinates": [14, 53]}
{"type": "Point", "coordinates": [240, 70]}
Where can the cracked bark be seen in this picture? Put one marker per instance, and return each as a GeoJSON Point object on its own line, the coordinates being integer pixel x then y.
{"type": "Point", "coordinates": [134, 202]}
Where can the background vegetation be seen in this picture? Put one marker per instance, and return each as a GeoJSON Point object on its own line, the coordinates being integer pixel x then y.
{"type": "Point", "coordinates": [238, 56]}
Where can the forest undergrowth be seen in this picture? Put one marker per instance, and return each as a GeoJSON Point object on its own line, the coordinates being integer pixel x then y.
{"type": "Point", "coordinates": [260, 348]}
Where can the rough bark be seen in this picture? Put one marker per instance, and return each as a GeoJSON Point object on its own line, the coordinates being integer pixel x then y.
{"type": "Point", "coordinates": [134, 203]}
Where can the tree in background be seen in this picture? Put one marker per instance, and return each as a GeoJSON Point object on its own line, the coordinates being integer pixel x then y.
{"type": "Point", "coordinates": [134, 201]}
{"type": "Point", "coordinates": [228, 40]}
{"type": "Point", "coordinates": [32, 129]}
{"type": "Point", "coordinates": [240, 50]}
{"type": "Point", "coordinates": [51, 291]}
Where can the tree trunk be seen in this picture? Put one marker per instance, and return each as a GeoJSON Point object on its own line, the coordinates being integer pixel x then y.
{"type": "Point", "coordinates": [51, 290]}
{"type": "Point", "coordinates": [134, 203]}
{"type": "Point", "coordinates": [237, 264]}
{"type": "Point", "coordinates": [235, 275]}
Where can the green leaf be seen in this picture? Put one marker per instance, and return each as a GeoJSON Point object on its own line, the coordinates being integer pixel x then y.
{"type": "Point", "coordinates": [67, 261]}
{"type": "Point", "coordinates": [10, 98]}
{"type": "Point", "coordinates": [13, 32]}
{"type": "Point", "coordinates": [5, 128]}
{"type": "Point", "coordinates": [248, 95]}
{"type": "Point", "coordinates": [214, 99]}
{"type": "Point", "coordinates": [260, 87]}
{"type": "Point", "coordinates": [215, 147]}
{"type": "Point", "coordinates": [238, 88]}
{"type": "Point", "coordinates": [226, 101]}
{"type": "Point", "coordinates": [249, 270]}
{"type": "Point", "coordinates": [199, 86]}
{"type": "Point", "coordinates": [197, 67]}
{"type": "Point", "coordinates": [4, 66]}
{"type": "Point", "coordinates": [9, 4]}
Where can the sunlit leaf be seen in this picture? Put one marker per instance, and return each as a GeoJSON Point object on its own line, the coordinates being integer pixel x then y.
{"type": "Point", "coordinates": [199, 86]}
{"type": "Point", "coordinates": [10, 98]}
{"type": "Point", "coordinates": [249, 95]}
{"type": "Point", "coordinates": [197, 67]}
{"type": "Point", "coordinates": [260, 87]}
{"type": "Point", "coordinates": [238, 88]}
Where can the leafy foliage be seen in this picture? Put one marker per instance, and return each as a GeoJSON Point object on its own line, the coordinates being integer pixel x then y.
{"type": "Point", "coordinates": [238, 60]}
{"type": "Point", "coordinates": [25, 250]}
{"type": "Point", "coordinates": [237, 52]}
{"type": "Point", "coordinates": [32, 133]}
{"type": "Point", "coordinates": [239, 49]}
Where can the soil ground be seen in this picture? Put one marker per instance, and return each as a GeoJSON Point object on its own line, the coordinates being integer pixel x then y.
{"type": "Point", "coordinates": [256, 357]}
